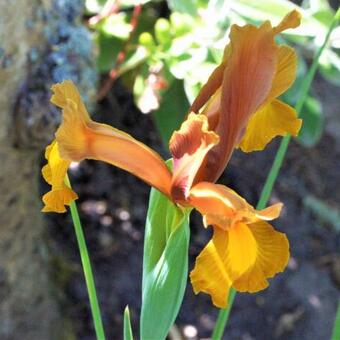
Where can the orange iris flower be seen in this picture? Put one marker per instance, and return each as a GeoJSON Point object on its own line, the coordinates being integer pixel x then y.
{"type": "Point", "coordinates": [237, 108]}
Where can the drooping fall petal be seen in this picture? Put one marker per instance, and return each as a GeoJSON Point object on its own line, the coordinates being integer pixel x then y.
{"type": "Point", "coordinates": [274, 119]}
{"type": "Point", "coordinates": [79, 137]}
{"type": "Point", "coordinates": [269, 255]}
{"type": "Point", "coordinates": [209, 275]}
{"type": "Point", "coordinates": [243, 257]}
{"type": "Point", "coordinates": [54, 173]}
{"type": "Point", "coordinates": [245, 250]}
{"type": "Point", "coordinates": [189, 147]}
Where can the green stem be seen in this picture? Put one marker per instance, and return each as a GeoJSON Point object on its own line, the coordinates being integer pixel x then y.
{"type": "Point", "coordinates": [336, 327]}
{"type": "Point", "coordinates": [273, 173]}
{"type": "Point", "coordinates": [223, 315]}
{"type": "Point", "coordinates": [85, 260]}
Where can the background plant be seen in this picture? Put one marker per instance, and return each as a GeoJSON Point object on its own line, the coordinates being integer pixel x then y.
{"type": "Point", "coordinates": [167, 59]}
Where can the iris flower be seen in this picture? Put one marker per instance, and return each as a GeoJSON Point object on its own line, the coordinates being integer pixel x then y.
{"type": "Point", "coordinates": [236, 108]}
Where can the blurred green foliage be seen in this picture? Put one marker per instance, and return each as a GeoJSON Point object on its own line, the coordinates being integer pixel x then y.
{"type": "Point", "coordinates": [176, 44]}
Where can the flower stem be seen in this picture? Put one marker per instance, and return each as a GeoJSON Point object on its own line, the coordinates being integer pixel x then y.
{"type": "Point", "coordinates": [85, 260]}
{"type": "Point", "coordinates": [336, 327]}
{"type": "Point", "coordinates": [223, 315]}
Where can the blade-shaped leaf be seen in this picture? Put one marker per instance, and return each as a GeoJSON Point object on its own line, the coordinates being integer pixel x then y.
{"type": "Point", "coordinates": [165, 266]}
{"type": "Point", "coordinates": [127, 325]}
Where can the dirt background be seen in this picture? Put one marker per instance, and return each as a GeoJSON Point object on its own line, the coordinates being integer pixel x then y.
{"type": "Point", "coordinates": [299, 304]}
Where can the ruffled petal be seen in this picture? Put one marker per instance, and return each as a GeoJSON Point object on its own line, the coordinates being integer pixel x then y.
{"type": "Point", "coordinates": [62, 92]}
{"type": "Point", "coordinates": [79, 137]}
{"type": "Point", "coordinates": [189, 147]}
{"type": "Point", "coordinates": [258, 253]}
{"type": "Point", "coordinates": [209, 275]}
{"type": "Point", "coordinates": [55, 200]}
{"type": "Point", "coordinates": [245, 250]}
{"type": "Point", "coordinates": [54, 173]}
{"type": "Point", "coordinates": [274, 119]}
{"type": "Point", "coordinates": [244, 257]}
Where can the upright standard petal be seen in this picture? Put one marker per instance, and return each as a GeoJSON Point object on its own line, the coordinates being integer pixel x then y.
{"type": "Point", "coordinates": [274, 118]}
{"type": "Point", "coordinates": [79, 137]}
{"type": "Point", "coordinates": [54, 173]}
{"type": "Point", "coordinates": [254, 71]}
{"type": "Point", "coordinates": [245, 250]}
{"type": "Point", "coordinates": [189, 147]}
{"type": "Point", "coordinates": [247, 81]}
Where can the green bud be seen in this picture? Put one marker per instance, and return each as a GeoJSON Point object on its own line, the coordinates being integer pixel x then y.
{"type": "Point", "coordinates": [162, 31]}
{"type": "Point", "coordinates": [146, 40]}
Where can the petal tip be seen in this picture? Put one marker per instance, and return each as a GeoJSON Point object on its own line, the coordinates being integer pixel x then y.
{"type": "Point", "coordinates": [291, 20]}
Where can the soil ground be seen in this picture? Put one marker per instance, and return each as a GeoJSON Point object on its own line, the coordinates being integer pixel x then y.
{"type": "Point", "coordinates": [299, 304]}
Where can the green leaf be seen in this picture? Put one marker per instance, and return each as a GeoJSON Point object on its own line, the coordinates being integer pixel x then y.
{"type": "Point", "coordinates": [187, 6]}
{"type": "Point", "coordinates": [115, 25]}
{"type": "Point", "coordinates": [195, 80]}
{"type": "Point", "coordinates": [330, 67]}
{"type": "Point", "coordinates": [165, 266]}
{"type": "Point", "coordinates": [109, 47]}
{"type": "Point", "coordinates": [313, 120]}
{"type": "Point", "coordinates": [274, 10]}
{"type": "Point", "coordinates": [336, 325]}
{"type": "Point", "coordinates": [219, 10]}
{"type": "Point", "coordinates": [127, 325]}
{"type": "Point", "coordinates": [181, 24]}
{"type": "Point", "coordinates": [325, 213]}
{"type": "Point", "coordinates": [263, 10]}
{"type": "Point", "coordinates": [172, 110]}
